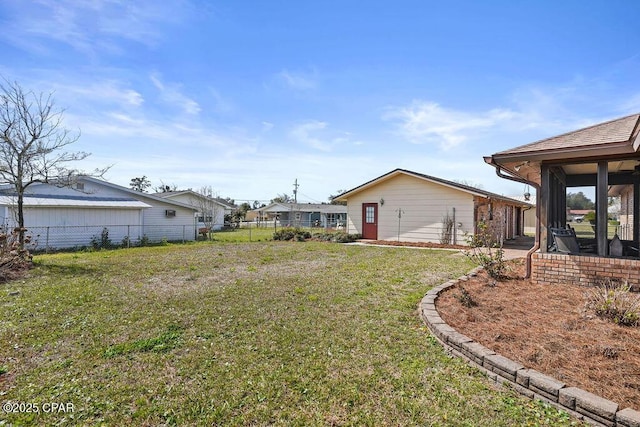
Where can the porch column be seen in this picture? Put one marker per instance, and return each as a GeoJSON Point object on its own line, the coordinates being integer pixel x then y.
{"type": "Point", "coordinates": [543, 203]}
{"type": "Point", "coordinates": [601, 208]}
{"type": "Point", "coordinates": [636, 210]}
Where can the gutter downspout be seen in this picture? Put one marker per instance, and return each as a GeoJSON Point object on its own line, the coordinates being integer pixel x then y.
{"type": "Point", "coordinates": [536, 244]}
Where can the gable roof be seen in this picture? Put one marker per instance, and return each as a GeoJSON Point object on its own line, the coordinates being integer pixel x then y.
{"type": "Point", "coordinates": [303, 207]}
{"type": "Point", "coordinates": [577, 152]}
{"type": "Point", "coordinates": [450, 184]}
{"type": "Point", "coordinates": [171, 194]}
{"type": "Point", "coordinates": [133, 193]}
{"type": "Point", "coordinates": [620, 134]}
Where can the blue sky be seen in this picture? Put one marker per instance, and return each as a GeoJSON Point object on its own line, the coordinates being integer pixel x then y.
{"type": "Point", "coordinates": [246, 97]}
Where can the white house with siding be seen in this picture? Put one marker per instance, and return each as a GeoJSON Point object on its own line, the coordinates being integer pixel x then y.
{"type": "Point", "coordinates": [305, 214]}
{"type": "Point", "coordinates": [63, 217]}
{"type": "Point", "coordinates": [412, 207]}
{"type": "Point", "coordinates": [217, 209]}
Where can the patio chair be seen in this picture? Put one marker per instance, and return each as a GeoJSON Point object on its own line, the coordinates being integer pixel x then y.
{"type": "Point", "coordinates": [565, 241]}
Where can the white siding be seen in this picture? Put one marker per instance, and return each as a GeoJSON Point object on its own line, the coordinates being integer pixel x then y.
{"type": "Point", "coordinates": [424, 205]}
{"type": "Point", "coordinates": [152, 223]}
{"type": "Point", "coordinates": [190, 199]}
{"type": "Point", "coordinates": [158, 226]}
{"type": "Point", "coordinates": [80, 217]}
{"type": "Point", "coordinates": [76, 227]}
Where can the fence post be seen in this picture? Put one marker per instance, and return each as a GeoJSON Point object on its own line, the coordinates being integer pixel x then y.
{"type": "Point", "coordinates": [249, 232]}
{"type": "Point", "coordinates": [128, 236]}
{"type": "Point", "coordinates": [47, 244]}
{"type": "Point", "coordinates": [183, 231]}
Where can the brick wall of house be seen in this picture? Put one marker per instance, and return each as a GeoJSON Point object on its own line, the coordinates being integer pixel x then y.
{"type": "Point", "coordinates": [551, 268]}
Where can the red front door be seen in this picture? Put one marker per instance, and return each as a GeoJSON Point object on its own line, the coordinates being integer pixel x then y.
{"type": "Point", "coordinates": [370, 221]}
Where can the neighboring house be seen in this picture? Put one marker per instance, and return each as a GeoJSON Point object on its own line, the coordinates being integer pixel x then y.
{"type": "Point", "coordinates": [577, 215]}
{"type": "Point", "coordinates": [94, 210]}
{"type": "Point", "coordinates": [215, 208]}
{"type": "Point", "coordinates": [412, 207]}
{"type": "Point", "coordinates": [305, 214]}
{"type": "Point", "coordinates": [605, 156]}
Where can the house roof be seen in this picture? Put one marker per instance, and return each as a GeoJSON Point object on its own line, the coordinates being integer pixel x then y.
{"type": "Point", "coordinates": [303, 207]}
{"type": "Point", "coordinates": [48, 200]}
{"type": "Point", "coordinates": [578, 151]}
{"type": "Point", "coordinates": [171, 194]}
{"type": "Point", "coordinates": [622, 131]}
{"type": "Point", "coordinates": [454, 185]}
{"type": "Point", "coordinates": [136, 194]}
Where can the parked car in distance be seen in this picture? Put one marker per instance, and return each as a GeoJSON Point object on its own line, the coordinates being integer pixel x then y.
{"type": "Point", "coordinates": [578, 218]}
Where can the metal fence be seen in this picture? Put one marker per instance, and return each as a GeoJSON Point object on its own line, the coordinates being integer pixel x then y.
{"type": "Point", "coordinates": [106, 236]}
{"type": "Point", "coordinates": [329, 225]}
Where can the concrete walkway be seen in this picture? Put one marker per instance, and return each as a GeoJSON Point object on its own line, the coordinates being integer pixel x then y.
{"type": "Point", "coordinates": [513, 249]}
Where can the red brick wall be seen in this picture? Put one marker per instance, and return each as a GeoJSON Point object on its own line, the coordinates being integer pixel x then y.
{"type": "Point", "coordinates": [553, 268]}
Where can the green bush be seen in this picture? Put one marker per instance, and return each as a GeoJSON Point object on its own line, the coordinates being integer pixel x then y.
{"type": "Point", "coordinates": [590, 217]}
{"type": "Point", "coordinates": [337, 237]}
{"type": "Point", "coordinates": [613, 301]}
{"type": "Point", "coordinates": [290, 233]}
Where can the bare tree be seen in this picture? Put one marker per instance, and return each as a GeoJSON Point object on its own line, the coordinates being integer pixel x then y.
{"type": "Point", "coordinates": [208, 206]}
{"type": "Point", "coordinates": [32, 144]}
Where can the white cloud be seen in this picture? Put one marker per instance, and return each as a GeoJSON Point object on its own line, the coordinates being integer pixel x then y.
{"type": "Point", "coordinates": [172, 95]}
{"type": "Point", "coordinates": [88, 26]}
{"type": "Point", "coordinates": [298, 81]}
{"type": "Point", "coordinates": [428, 122]}
{"type": "Point", "coordinates": [103, 92]}
{"type": "Point", "coordinates": [317, 134]}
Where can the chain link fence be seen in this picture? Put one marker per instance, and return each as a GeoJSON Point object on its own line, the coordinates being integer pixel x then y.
{"type": "Point", "coordinates": [51, 238]}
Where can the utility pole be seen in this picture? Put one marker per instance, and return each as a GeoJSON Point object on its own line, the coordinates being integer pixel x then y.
{"type": "Point", "coordinates": [295, 191]}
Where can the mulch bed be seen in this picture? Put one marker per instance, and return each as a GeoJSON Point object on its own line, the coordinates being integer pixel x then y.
{"type": "Point", "coordinates": [548, 328]}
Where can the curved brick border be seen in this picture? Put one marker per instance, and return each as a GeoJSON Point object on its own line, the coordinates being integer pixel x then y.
{"type": "Point", "coordinates": [533, 384]}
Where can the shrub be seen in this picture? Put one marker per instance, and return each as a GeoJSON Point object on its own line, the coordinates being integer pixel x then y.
{"type": "Point", "coordinates": [290, 233]}
{"type": "Point", "coordinates": [342, 237]}
{"type": "Point", "coordinates": [337, 237]}
{"type": "Point", "coordinates": [465, 298]}
{"type": "Point", "coordinates": [485, 252]}
{"type": "Point", "coordinates": [102, 241]}
{"type": "Point", "coordinates": [613, 301]}
{"type": "Point", "coordinates": [590, 216]}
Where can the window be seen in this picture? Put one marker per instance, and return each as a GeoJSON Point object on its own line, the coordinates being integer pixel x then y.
{"type": "Point", "coordinates": [369, 217]}
{"type": "Point", "coordinates": [170, 213]}
{"type": "Point", "coordinates": [208, 219]}
{"type": "Point", "coordinates": [80, 186]}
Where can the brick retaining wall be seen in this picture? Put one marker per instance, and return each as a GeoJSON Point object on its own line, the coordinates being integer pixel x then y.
{"type": "Point", "coordinates": [554, 268]}
{"type": "Point", "coordinates": [531, 383]}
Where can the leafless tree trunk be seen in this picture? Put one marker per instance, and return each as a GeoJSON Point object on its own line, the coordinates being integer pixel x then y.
{"type": "Point", "coordinates": [208, 207]}
{"type": "Point", "coordinates": [32, 142]}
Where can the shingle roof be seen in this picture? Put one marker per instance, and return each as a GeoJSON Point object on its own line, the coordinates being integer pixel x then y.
{"type": "Point", "coordinates": [303, 207]}
{"type": "Point", "coordinates": [451, 184]}
{"type": "Point", "coordinates": [615, 131]}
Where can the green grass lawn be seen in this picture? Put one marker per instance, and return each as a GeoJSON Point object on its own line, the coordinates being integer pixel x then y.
{"type": "Point", "coordinates": [585, 230]}
{"type": "Point", "coordinates": [263, 333]}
